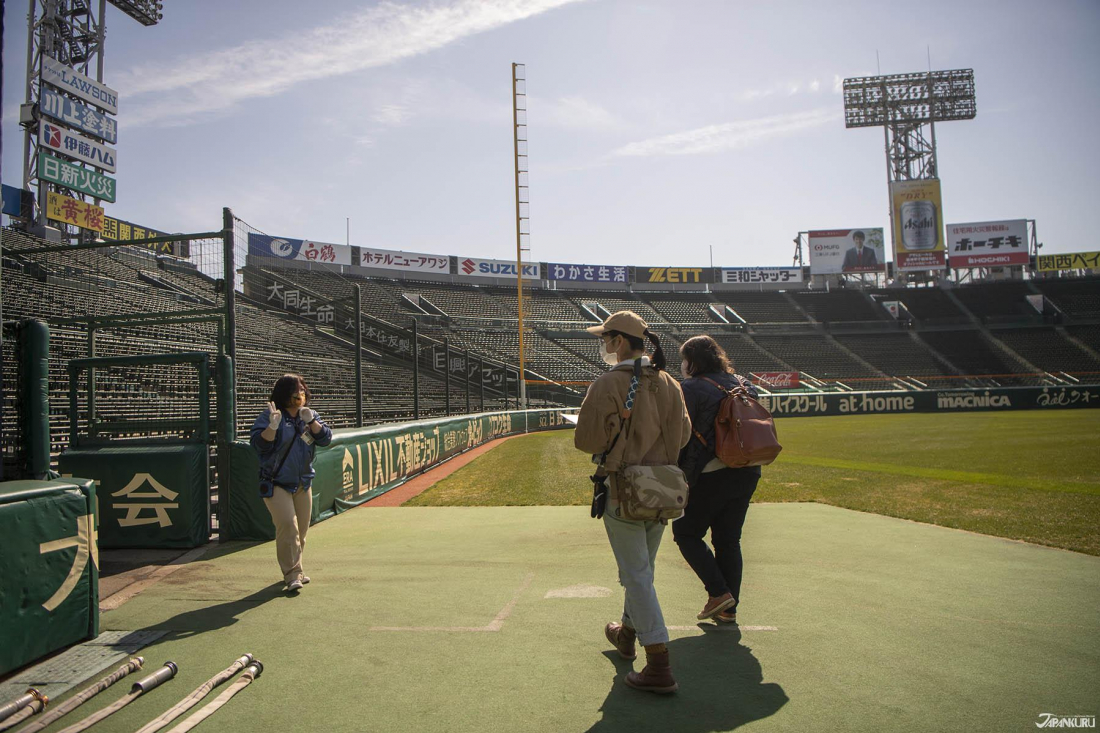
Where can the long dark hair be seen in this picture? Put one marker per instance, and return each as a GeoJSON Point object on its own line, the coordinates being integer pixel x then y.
{"type": "Point", "coordinates": [658, 359]}
{"type": "Point", "coordinates": [287, 385]}
{"type": "Point", "coordinates": [705, 356]}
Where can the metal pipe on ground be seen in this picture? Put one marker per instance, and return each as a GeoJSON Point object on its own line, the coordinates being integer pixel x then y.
{"type": "Point", "coordinates": [197, 695]}
{"type": "Point", "coordinates": [35, 706]}
{"type": "Point", "coordinates": [251, 672]}
{"type": "Point", "coordinates": [13, 707]}
{"type": "Point", "coordinates": [84, 696]}
{"type": "Point", "coordinates": [139, 688]}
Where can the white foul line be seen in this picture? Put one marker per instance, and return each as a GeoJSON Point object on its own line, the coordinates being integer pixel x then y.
{"type": "Point", "coordinates": [495, 625]}
{"type": "Point", "coordinates": [729, 627]}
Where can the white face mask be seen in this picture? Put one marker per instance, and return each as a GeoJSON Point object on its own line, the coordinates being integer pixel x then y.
{"type": "Point", "coordinates": [611, 358]}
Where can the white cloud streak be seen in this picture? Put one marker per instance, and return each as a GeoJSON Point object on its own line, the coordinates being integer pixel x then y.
{"type": "Point", "coordinates": [379, 36]}
{"type": "Point", "coordinates": [573, 113]}
{"type": "Point", "coordinates": [729, 136]}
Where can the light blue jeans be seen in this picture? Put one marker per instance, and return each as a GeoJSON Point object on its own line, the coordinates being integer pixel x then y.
{"type": "Point", "coordinates": [635, 545]}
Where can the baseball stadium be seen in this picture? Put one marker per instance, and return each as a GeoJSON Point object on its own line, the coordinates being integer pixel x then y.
{"type": "Point", "coordinates": [923, 554]}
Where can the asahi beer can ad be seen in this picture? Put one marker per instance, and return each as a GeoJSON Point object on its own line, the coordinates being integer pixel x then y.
{"type": "Point", "coordinates": [918, 225]}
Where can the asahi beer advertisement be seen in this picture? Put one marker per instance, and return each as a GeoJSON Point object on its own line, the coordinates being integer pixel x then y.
{"type": "Point", "coordinates": [834, 251]}
{"type": "Point", "coordinates": [918, 225]}
{"type": "Point", "coordinates": [988, 243]}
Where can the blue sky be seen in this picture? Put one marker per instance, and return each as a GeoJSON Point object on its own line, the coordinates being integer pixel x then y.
{"type": "Point", "coordinates": [658, 128]}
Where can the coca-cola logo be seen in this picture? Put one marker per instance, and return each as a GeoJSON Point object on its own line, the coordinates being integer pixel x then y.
{"type": "Point", "coordinates": [778, 380]}
{"type": "Point", "coordinates": [468, 266]}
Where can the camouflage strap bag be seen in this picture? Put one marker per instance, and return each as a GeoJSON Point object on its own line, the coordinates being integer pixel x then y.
{"type": "Point", "coordinates": [648, 493]}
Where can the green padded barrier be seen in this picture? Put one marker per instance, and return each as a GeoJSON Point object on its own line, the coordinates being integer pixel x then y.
{"type": "Point", "coordinates": [49, 588]}
{"type": "Point", "coordinates": [154, 496]}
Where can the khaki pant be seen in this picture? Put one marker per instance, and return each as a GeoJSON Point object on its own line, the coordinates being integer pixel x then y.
{"type": "Point", "coordinates": [291, 514]}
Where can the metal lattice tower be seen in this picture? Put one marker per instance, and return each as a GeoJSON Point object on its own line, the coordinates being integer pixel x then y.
{"type": "Point", "coordinates": [73, 33]}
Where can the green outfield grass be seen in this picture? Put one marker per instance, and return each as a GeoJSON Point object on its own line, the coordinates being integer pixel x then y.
{"type": "Point", "coordinates": [1026, 475]}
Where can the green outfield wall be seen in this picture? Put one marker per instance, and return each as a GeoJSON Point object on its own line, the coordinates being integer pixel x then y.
{"type": "Point", "coordinates": [362, 463]}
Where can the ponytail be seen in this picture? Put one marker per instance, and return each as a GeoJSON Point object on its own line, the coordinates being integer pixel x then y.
{"type": "Point", "coordinates": [659, 361]}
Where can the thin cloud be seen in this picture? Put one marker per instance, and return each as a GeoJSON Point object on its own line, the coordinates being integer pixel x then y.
{"type": "Point", "coordinates": [379, 36]}
{"type": "Point", "coordinates": [572, 112]}
{"type": "Point", "coordinates": [729, 136]}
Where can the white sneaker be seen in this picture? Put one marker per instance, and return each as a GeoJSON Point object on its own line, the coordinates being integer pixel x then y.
{"type": "Point", "coordinates": [294, 585]}
{"type": "Point", "coordinates": [305, 580]}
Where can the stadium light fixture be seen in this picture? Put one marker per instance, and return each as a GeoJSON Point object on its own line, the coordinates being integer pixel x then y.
{"type": "Point", "coordinates": [146, 12]}
{"type": "Point", "coordinates": [936, 96]}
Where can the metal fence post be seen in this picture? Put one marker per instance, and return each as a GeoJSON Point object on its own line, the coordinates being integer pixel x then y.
{"type": "Point", "coordinates": [230, 277]}
{"type": "Point", "coordinates": [358, 356]}
{"type": "Point", "coordinates": [507, 402]}
{"type": "Point", "coordinates": [416, 372]}
{"type": "Point", "coordinates": [466, 376]}
{"type": "Point", "coordinates": [447, 374]}
{"type": "Point", "coordinates": [481, 381]}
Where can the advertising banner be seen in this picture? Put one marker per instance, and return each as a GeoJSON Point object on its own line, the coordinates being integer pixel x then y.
{"type": "Point", "coordinates": [473, 267]}
{"type": "Point", "coordinates": [285, 296]}
{"type": "Point", "coordinates": [120, 230]}
{"type": "Point", "coordinates": [1071, 261]}
{"type": "Point", "coordinates": [893, 307]}
{"type": "Point", "coordinates": [384, 259]}
{"type": "Point", "coordinates": [918, 225]}
{"type": "Point", "coordinates": [80, 116]}
{"type": "Point", "coordinates": [18, 202]}
{"type": "Point", "coordinates": [304, 250]}
{"type": "Point", "coordinates": [761, 275]}
{"type": "Point", "coordinates": [988, 243]}
{"type": "Point", "coordinates": [71, 211]}
{"type": "Point", "coordinates": [777, 380]}
{"type": "Point", "coordinates": [834, 251]}
{"type": "Point", "coordinates": [77, 146]}
{"type": "Point", "coordinates": [66, 79]}
{"type": "Point", "coordinates": [674, 275]}
{"type": "Point", "coordinates": [85, 180]}
{"type": "Point", "coordinates": [586, 273]}
{"type": "Point", "coordinates": [948, 400]}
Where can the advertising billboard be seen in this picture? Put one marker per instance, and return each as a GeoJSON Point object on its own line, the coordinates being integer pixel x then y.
{"type": "Point", "coordinates": [77, 146]}
{"type": "Point", "coordinates": [85, 180]}
{"type": "Point", "coordinates": [474, 267]}
{"type": "Point", "coordinates": [69, 80]}
{"type": "Point", "coordinates": [835, 251]}
{"type": "Point", "coordinates": [674, 275]}
{"type": "Point", "coordinates": [918, 225]}
{"type": "Point", "coordinates": [77, 115]}
{"type": "Point", "coordinates": [587, 273]}
{"type": "Point", "coordinates": [120, 230]}
{"type": "Point", "coordinates": [1069, 261]}
{"type": "Point", "coordinates": [761, 275]}
{"type": "Point", "coordinates": [406, 261]}
{"type": "Point", "coordinates": [304, 250]}
{"type": "Point", "coordinates": [71, 211]}
{"type": "Point", "coordinates": [988, 243]}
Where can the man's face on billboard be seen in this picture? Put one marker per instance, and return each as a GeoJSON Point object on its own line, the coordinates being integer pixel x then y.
{"type": "Point", "coordinates": [859, 242]}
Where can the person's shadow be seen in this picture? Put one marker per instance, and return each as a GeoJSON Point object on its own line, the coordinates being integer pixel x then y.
{"type": "Point", "coordinates": [211, 618]}
{"type": "Point", "coordinates": [721, 688]}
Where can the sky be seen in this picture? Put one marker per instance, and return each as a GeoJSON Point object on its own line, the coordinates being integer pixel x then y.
{"type": "Point", "coordinates": [661, 131]}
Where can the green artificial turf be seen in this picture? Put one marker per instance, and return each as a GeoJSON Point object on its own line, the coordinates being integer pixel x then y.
{"type": "Point", "coordinates": [881, 625]}
{"type": "Point", "coordinates": [1024, 475]}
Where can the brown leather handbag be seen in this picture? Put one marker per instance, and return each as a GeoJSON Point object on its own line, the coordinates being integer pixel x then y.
{"type": "Point", "coordinates": [744, 431]}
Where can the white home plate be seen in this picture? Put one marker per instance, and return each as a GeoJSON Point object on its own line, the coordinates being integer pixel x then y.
{"type": "Point", "coordinates": [579, 591]}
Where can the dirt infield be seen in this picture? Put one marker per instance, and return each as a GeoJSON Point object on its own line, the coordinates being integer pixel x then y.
{"type": "Point", "coordinates": [423, 482]}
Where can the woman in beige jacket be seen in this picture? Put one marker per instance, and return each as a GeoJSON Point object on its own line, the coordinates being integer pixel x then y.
{"type": "Point", "coordinates": [658, 428]}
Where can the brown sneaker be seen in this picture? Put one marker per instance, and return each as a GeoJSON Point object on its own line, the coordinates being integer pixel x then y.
{"type": "Point", "coordinates": [656, 677]}
{"type": "Point", "coordinates": [729, 616]}
{"type": "Point", "coordinates": [716, 605]}
{"type": "Point", "coordinates": [622, 638]}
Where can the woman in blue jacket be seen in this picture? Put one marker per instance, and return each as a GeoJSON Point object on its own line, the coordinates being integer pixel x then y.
{"type": "Point", "coordinates": [288, 427]}
{"type": "Point", "coordinates": [720, 495]}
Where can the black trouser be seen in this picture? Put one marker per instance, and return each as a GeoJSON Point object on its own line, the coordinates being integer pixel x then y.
{"type": "Point", "coordinates": [718, 501]}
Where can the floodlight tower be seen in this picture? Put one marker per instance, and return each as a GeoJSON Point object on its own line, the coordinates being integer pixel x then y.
{"type": "Point", "coordinates": [523, 204]}
{"type": "Point", "coordinates": [907, 107]}
{"type": "Point", "coordinates": [71, 32]}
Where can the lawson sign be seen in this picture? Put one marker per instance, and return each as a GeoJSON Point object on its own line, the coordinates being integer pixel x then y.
{"type": "Point", "coordinates": [69, 80]}
{"type": "Point", "coordinates": [471, 267]}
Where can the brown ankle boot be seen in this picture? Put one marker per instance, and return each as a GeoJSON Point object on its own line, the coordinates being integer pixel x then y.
{"type": "Point", "coordinates": [657, 675]}
{"type": "Point", "coordinates": [622, 638]}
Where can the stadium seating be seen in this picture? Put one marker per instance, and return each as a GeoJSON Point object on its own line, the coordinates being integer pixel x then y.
{"type": "Point", "coordinates": [901, 355]}
{"type": "Point", "coordinates": [927, 305]}
{"type": "Point", "coordinates": [997, 301]}
{"type": "Point", "coordinates": [839, 305]}
{"type": "Point", "coordinates": [762, 307]}
{"type": "Point", "coordinates": [822, 358]}
{"type": "Point", "coordinates": [1079, 297]}
{"type": "Point", "coordinates": [975, 355]}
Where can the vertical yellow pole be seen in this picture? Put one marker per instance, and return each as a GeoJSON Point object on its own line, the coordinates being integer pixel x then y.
{"type": "Point", "coordinates": [519, 247]}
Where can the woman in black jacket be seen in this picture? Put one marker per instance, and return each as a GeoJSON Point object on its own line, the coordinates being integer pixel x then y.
{"type": "Point", "coordinates": [720, 495]}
